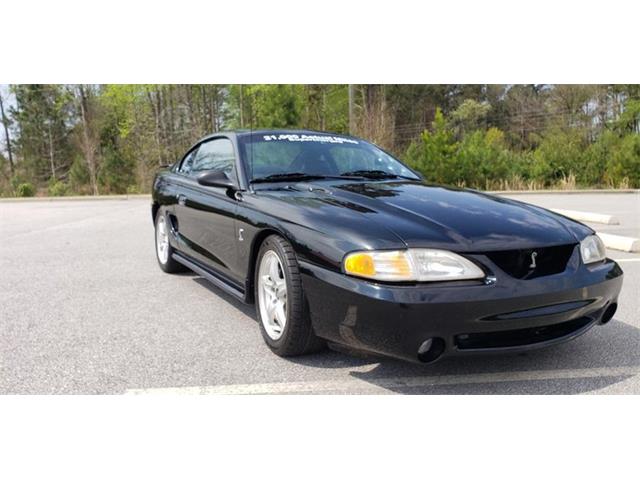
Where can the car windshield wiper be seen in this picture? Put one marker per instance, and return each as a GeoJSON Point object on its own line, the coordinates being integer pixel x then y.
{"type": "Point", "coordinates": [294, 176]}
{"type": "Point", "coordinates": [376, 174]}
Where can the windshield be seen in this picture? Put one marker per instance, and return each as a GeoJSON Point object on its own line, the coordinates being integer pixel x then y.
{"type": "Point", "coordinates": [279, 154]}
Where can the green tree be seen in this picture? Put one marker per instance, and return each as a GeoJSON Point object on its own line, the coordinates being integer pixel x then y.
{"type": "Point", "coordinates": [113, 138]}
{"type": "Point", "coordinates": [559, 155]}
{"type": "Point", "coordinates": [434, 153]}
{"type": "Point", "coordinates": [325, 108]}
{"type": "Point", "coordinates": [629, 121]}
{"type": "Point", "coordinates": [471, 115]}
{"type": "Point", "coordinates": [266, 106]}
{"type": "Point", "coordinates": [623, 167]}
{"type": "Point", "coordinates": [117, 174]}
{"type": "Point", "coordinates": [482, 159]}
{"type": "Point", "coordinates": [43, 115]}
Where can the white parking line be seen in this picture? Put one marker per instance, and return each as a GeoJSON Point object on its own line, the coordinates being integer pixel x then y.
{"type": "Point", "coordinates": [376, 385]}
{"type": "Point", "coordinates": [620, 260]}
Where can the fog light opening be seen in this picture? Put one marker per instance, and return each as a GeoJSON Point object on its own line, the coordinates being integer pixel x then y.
{"type": "Point", "coordinates": [608, 313]}
{"type": "Point", "coordinates": [431, 349]}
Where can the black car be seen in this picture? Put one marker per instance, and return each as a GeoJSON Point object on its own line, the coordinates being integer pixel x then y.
{"type": "Point", "coordinates": [335, 240]}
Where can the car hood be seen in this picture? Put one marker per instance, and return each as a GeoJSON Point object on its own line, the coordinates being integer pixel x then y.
{"type": "Point", "coordinates": [425, 215]}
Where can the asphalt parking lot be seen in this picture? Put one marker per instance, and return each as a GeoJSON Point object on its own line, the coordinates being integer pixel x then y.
{"type": "Point", "coordinates": [85, 309]}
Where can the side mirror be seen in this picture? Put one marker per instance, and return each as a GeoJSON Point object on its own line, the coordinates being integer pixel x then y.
{"type": "Point", "coordinates": [215, 178]}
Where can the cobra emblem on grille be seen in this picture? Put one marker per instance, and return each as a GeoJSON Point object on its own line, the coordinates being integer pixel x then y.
{"type": "Point", "coordinates": [533, 260]}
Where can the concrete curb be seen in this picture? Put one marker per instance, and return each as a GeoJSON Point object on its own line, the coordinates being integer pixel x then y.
{"type": "Point", "coordinates": [76, 198]}
{"type": "Point", "coordinates": [544, 192]}
{"type": "Point", "coordinates": [618, 242]}
{"type": "Point", "coordinates": [588, 216]}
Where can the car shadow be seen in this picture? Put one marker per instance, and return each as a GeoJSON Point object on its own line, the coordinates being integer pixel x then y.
{"type": "Point", "coordinates": [600, 358]}
{"type": "Point", "coordinates": [586, 364]}
{"type": "Point", "coordinates": [248, 310]}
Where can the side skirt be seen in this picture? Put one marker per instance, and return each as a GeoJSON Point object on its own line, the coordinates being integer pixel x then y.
{"type": "Point", "coordinates": [212, 277]}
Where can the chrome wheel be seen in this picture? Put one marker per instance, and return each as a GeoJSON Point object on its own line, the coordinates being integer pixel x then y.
{"type": "Point", "coordinates": [162, 239]}
{"type": "Point", "coordinates": [272, 293]}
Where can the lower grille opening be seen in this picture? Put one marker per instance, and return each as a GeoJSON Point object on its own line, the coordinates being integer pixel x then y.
{"type": "Point", "coordinates": [520, 337]}
{"type": "Point", "coordinates": [532, 263]}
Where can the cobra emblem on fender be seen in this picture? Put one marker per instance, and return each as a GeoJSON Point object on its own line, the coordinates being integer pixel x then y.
{"type": "Point", "coordinates": [533, 260]}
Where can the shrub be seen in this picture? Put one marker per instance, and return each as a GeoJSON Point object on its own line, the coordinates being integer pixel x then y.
{"type": "Point", "coordinates": [563, 159]}
{"type": "Point", "coordinates": [623, 166]}
{"type": "Point", "coordinates": [433, 154]}
{"type": "Point", "coordinates": [58, 189]}
{"type": "Point", "coordinates": [612, 160]}
{"type": "Point", "coordinates": [79, 174]}
{"type": "Point", "coordinates": [559, 155]}
{"type": "Point", "coordinates": [117, 172]}
{"type": "Point", "coordinates": [480, 159]}
{"type": "Point", "coordinates": [25, 190]}
{"type": "Point", "coordinates": [595, 159]}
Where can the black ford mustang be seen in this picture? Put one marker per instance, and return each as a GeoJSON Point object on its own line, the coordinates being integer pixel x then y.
{"type": "Point", "coordinates": [335, 240]}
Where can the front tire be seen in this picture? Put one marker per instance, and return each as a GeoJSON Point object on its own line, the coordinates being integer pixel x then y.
{"type": "Point", "coordinates": [280, 303]}
{"type": "Point", "coordinates": [164, 250]}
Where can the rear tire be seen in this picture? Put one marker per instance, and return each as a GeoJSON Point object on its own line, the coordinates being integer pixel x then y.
{"type": "Point", "coordinates": [285, 326]}
{"type": "Point", "coordinates": [164, 250]}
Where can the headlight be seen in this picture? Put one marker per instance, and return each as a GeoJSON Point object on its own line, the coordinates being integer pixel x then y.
{"type": "Point", "coordinates": [592, 249]}
{"type": "Point", "coordinates": [413, 265]}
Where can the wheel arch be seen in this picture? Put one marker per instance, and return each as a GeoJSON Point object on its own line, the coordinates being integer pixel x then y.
{"type": "Point", "coordinates": [257, 242]}
{"type": "Point", "coordinates": [155, 206]}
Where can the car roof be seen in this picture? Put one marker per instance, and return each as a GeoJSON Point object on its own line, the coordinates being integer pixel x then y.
{"type": "Point", "coordinates": [246, 132]}
{"type": "Point", "coordinates": [239, 133]}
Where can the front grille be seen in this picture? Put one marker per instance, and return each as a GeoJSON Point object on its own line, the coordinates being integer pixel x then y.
{"type": "Point", "coordinates": [520, 337]}
{"type": "Point", "coordinates": [520, 263]}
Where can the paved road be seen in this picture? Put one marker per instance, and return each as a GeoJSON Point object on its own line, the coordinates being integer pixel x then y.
{"type": "Point", "coordinates": [85, 309]}
{"type": "Point", "coordinates": [624, 206]}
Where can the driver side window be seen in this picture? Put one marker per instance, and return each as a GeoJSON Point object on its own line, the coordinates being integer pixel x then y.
{"type": "Point", "coordinates": [215, 154]}
{"type": "Point", "coordinates": [187, 162]}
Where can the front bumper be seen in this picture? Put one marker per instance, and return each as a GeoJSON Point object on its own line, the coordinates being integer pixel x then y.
{"type": "Point", "coordinates": [506, 315]}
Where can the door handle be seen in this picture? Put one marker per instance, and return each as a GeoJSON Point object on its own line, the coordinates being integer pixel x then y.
{"type": "Point", "coordinates": [182, 199]}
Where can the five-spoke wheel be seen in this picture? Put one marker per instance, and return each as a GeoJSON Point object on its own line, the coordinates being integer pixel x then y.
{"type": "Point", "coordinates": [164, 250]}
{"type": "Point", "coordinates": [162, 239]}
{"type": "Point", "coordinates": [272, 289]}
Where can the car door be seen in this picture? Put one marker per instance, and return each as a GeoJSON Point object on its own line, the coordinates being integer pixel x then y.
{"type": "Point", "coordinates": [206, 215]}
